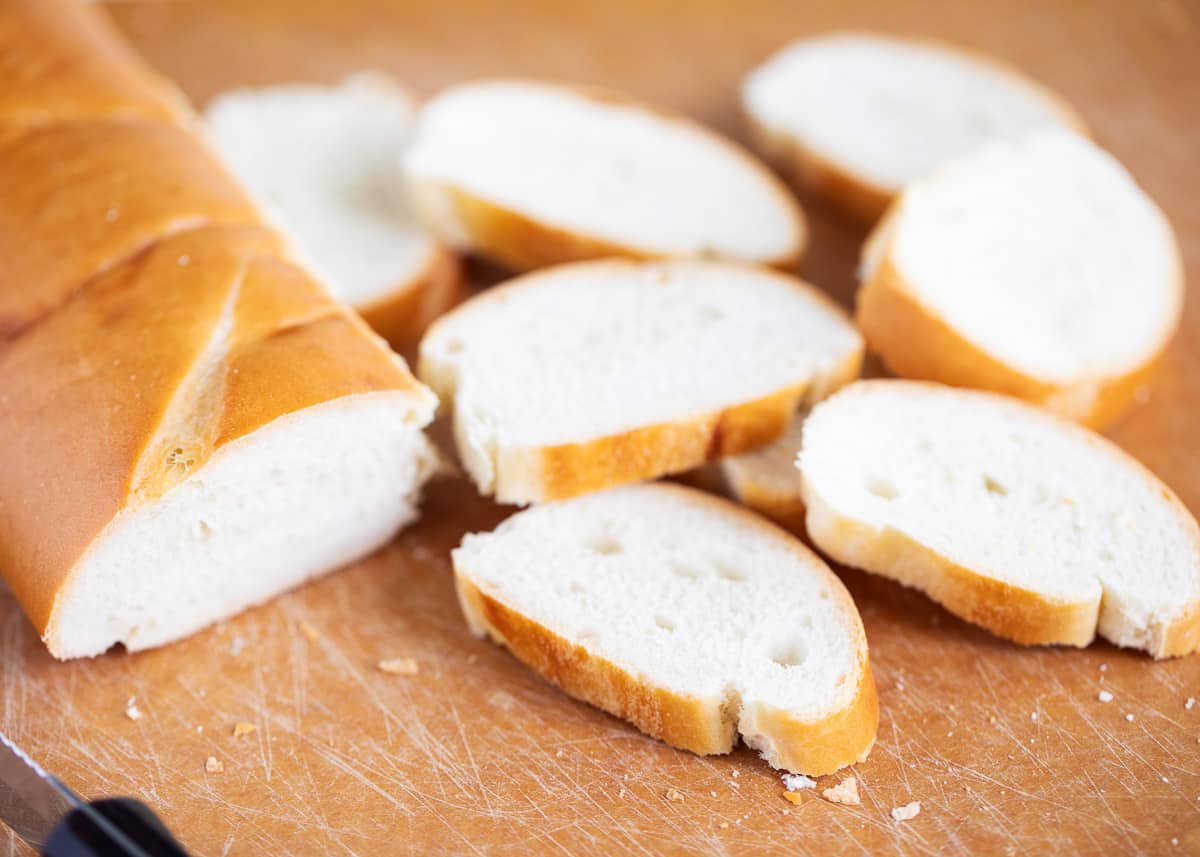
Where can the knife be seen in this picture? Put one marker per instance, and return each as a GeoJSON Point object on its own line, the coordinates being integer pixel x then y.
{"type": "Point", "coordinates": [44, 812]}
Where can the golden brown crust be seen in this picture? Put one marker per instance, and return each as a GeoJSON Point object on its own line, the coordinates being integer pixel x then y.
{"type": "Point", "coordinates": [521, 243]}
{"type": "Point", "coordinates": [60, 61]}
{"type": "Point", "coordinates": [916, 343]}
{"type": "Point", "coordinates": [860, 196]}
{"type": "Point", "coordinates": [645, 452]}
{"type": "Point", "coordinates": [842, 737]}
{"type": "Point", "coordinates": [147, 316]}
{"type": "Point", "coordinates": [682, 721]}
{"type": "Point", "coordinates": [402, 316]}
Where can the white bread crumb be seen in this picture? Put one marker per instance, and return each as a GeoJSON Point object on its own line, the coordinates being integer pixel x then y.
{"type": "Point", "coordinates": [1103, 668]}
{"type": "Point", "coordinates": [1129, 717]}
{"type": "Point", "coordinates": [674, 795]}
{"type": "Point", "coordinates": [909, 810]}
{"type": "Point", "coordinates": [213, 765]}
{"type": "Point", "coordinates": [1104, 696]}
{"type": "Point", "coordinates": [796, 782]}
{"type": "Point", "coordinates": [1190, 704]}
{"type": "Point", "coordinates": [400, 666]}
{"type": "Point", "coordinates": [845, 792]}
{"type": "Point", "coordinates": [240, 729]}
{"type": "Point", "coordinates": [131, 709]}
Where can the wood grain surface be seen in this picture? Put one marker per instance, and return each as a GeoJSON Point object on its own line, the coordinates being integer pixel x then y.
{"type": "Point", "coordinates": [1008, 750]}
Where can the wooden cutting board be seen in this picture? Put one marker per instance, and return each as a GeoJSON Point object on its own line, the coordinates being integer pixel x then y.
{"type": "Point", "coordinates": [1009, 750]}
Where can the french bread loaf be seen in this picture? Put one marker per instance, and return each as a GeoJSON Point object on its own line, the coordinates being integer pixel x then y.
{"type": "Point", "coordinates": [189, 423]}
{"type": "Point", "coordinates": [532, 174]}
{"type": "Point", "coordinates": [1035, 267]}
{"type": "Point", "coordinates": [855, 116]}
{"type": "Point", "coordinates": [691, 618]}
{"type": "Point", "coordinates": [1011, 517]}
{"type": "Point", "coordinates": [594, 374]}
{"type": "Point", "coordinates": [324, 163]}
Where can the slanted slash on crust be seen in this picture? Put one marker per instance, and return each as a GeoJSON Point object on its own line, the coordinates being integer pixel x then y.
{"type": "Point", "coordinates": [703, 726]}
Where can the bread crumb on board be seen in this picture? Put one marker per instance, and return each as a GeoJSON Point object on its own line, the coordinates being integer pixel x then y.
{"type": "Point", "coordinates": [131, 709]}
{"type": "Point", "coordinates": [309, 631]}
{"type": "Point", "coordinates": [1104, 696]}
{"type": "Point", "coordinates": [906, 812]}
{"type": "Point", "coordinates": [1190, 703]}
{"type": "Point", "coordinates": [1129, 718]}
{"type": "Point", "coordinates": [796, 782]}
{"type": "Point", "coordinates": [240, 729]}
{"type": "Point", "coordinates": [845, 792]}
{"type": "Point", "coordinates": [213, 765]}
{"type": "Point", "coordinates": [400, 666]}
{"type": "Point", "coordinates": [793, 797]}
{"type": "Point", "coordinates": [674, 795]}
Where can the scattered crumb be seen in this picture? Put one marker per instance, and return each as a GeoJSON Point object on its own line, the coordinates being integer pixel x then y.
{"type": "Point", "coordinates": [1033, 716]}
{"type": "Point", "coordinates": [200, 730]}
{"type": "Point", "coordinates": [793, 797]}
{"type": "Point", "coordinates": [184, 260]}
{"type": "Point", "coordinates": [909, 810]}
{"type": "Point", "coordinates": [950, 734]}
{"type": "Point", "coordinates": [309, 631]}
{"type": "Point", "coordinates": [400, 666]}
{"type": "Point", "coordinates": [723, 825]}
{"type": "Point", "coordinates": [674, 795]}
{"type": "Point", "coordinates": [1103, 668]}
{"type": "Point", "coordinates": [735, 772]}
{"type": "Point", "coordinates": [131, 709]}
{"type": "Point", "coordinates": [1165, 780]}
{"type": "Point", "coordinates": [845, 792]}
{"type": "Point", "coordinates": [558, 754]}
{"type": "Point", "coordinates": [1190, 703]}
{"type": "Point", "coordinates": [621, 794]}
{"type": "Point", "coordinates": [786, 811]}
{"type": "Point", "coordinates": [213, 765]}
{"type": "Point", "coordinates": [712, 794]}
{"type": "Point", "coordinates": [1174, 840]}
{"type": "Point", "coordinates": [1104, 696]}
{"type": "Point", "coordinates": [992, 719]}
{"type": "Point", "coordinates": [240, 729]}
{"type": "Point", "coordinates": [900, 685]}
{"type": "Point", "coordinates": [1129, 717]}
{"type": "Point", "coordinates": [796, 782]}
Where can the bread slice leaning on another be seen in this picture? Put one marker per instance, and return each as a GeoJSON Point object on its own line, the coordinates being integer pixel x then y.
{"type": "Point", "coordinates": [324, 162]}
{"type": "Point", "coordinates": [855, 116]}
{"type": "Point", "coordinates": [1017, 520]}
{"type": "Point", "coordinates": [532, 174]}
{"type": "Point", "coordinates": [683, 614]}
{"type": "Point", "coordinates": [590, 375]}
{"type": "Point", "coordinates": [766, 479]}
{"type": "Point", "coordinates": [1036, 268]}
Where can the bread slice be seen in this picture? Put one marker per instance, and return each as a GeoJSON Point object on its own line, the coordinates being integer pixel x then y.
{"type": "Point", "coordinates": [533, 174]}
{"type": "Point", "coordinates": [767, 479]}
{"type": "Point", "coordinates": [324, 162]}
{"type": "Point", "coordinates": [855, 116]}
{"type": "Point", "coordinates": [1036, 268]}
{"type": "Point", "coordinates": [1024, 523]}
{"type": "Point", "coordinates": [594, 374]}
{"type": "Point", "coordinates": [685, 615]}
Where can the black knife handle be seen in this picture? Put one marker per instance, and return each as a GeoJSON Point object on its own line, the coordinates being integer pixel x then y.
{"type": "Point", "coordinates": [113, 827]}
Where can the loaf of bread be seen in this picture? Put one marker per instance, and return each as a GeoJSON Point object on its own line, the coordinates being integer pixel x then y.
{"type": "Point", "coordinates": [691, 618]}
{"type": "Point", "coordinates": [855, 116]}
{"type": "Point", "coordinates": [532, 174]}
{"type": "Point", "coordinates": [1015, 519]}
{"type": "Point", "coordinates": [1035, 267]}
{"type": "Point", "coordinates": [324, 163]}
{"type": "Point", "coordinates": [189, 423]}
{"type": "Point", "coordinates": [595, 374]}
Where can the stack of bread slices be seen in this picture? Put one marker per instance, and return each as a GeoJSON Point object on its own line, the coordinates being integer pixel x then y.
{"type": "Point", "coordinates": [244, 418]}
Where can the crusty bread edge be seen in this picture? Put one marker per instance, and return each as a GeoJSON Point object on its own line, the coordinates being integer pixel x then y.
{"type": "Point", "coordinates": [1011, 612]}
{"type": "Point", "coordinates": [520, 243]}
{"type": "Point", "coordinates": [860, 196]}
{"type": "Point", "coordinates": [843, 737]}
{"type": "Point", "coordinates": [402, 315]}
{"type": "Point", "coordinates": [914, 342]}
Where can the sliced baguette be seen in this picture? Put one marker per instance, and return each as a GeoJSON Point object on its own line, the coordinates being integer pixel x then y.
{"type": "Point", "coordinates": [683, 614]}
{"type": "Point", "coordinates": [767, 480]}
{"type": "Point", "coordinates": [1036, 268]}
{"type": "Point", "coordinates": [594, 374]}
{"type": "Point", "coordinates": [855, 116]}
{"type": "Point", "coordinates": [533, 174]}
{"type": "Point", "coordinates": [1026, 524]}
{"type": "Point", "coordinates": [324, 163]}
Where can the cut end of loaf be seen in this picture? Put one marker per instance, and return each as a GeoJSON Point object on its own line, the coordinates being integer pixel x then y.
{"type": "Point", "coordinates": [309, 492]}
{"type": "Point", "coordinates": [735, 625]}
